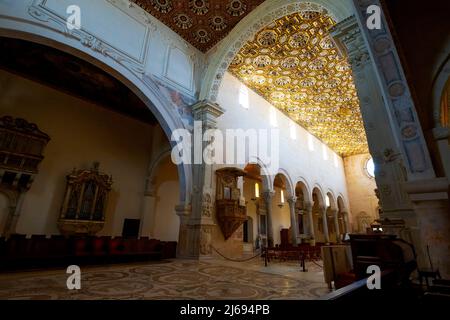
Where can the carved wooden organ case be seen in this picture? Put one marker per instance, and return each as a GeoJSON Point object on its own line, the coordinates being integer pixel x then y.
{"type": "Point", "coordinates": [84, 204]}
{"type": "Point", "coordinates": [230, 214]}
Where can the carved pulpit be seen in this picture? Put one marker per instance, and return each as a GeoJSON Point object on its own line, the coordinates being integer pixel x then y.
{"type": "Point", "coordinates": [22, 146]}
{"type": "Point", "coordinates": [84, 204]}
{"type": "Point", "coordinates": [230, 213]}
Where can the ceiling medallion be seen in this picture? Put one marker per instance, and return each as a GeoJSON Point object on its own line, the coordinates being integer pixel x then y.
{"type": "Point", "coordinates": [299, 40]}
{"type": "Point", "coordinates": [294, 65]}
{"type": "Point", "coordinates": [202, 36]}
{"type": "Point", "coordinates": [217, 23]}
{"type": "Point", "coordinates": [217, 17]}
{"type": "Point", "coordinates": [236, 8]}
{"type": "Point", "coordinates": [199, 7]}
{"type": "Point", "coordinates": [290, 63]}
{"type": "Point", "coordinates": [267, 38]}
{"type": "Point", "coordinates": [183, 21]}
{"type": "Point", "coordinates": [163, 6]}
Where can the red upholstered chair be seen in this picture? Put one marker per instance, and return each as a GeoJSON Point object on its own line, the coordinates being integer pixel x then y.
{"type": "Point", "coordinates": [40, 248]}
{"type": "Point", "coordinates": [169, 250]}
{"type": "Point", "coordinates": [17, 246]}
{"type": "Point", "coordinates": [81, 247]}
{"type": "Point", "coordinates": [59, 248]}
{"type": "Point", "coordinates": [116, 246]}
{"type": "Point", "coordinates": [100, 246]}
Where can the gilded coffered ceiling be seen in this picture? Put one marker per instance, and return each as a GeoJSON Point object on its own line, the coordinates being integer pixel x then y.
{"type": "Point", "coordinates": [202, 23]}
{"type": "Point", "coordinates": [294, 65]}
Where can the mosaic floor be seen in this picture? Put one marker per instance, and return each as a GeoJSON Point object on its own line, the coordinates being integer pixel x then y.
{"type": "Point", "coordinates": [177, 279]}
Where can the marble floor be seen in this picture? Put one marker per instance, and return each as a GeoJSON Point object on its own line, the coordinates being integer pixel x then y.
{"type": "Point", "coordinates": [174, 279]}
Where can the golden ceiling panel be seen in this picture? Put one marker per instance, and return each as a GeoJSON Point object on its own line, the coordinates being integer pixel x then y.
{"type": "Point", "coordinates": [294, 65]}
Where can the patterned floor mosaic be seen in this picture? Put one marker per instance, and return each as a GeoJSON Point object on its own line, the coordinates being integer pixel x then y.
{"type": "Point", "coordinates": [177, 279]}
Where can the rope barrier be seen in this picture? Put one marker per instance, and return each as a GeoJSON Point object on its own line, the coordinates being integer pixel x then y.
{"type": "Point", "coordinates": [236, 260]}
{"type": "Point", "coordinates": [317, 264]}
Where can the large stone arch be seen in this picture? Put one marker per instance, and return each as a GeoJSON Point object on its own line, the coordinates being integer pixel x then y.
{"type": "Point", "coordinates": [307, 193]}
{"type": "Point", "coordinates": [289, 185]}
{"type": "Point", "coordinates": [139, 83]}
{"type": "Point", "coordinates": [441, 130]}
{"type": "Point", "coordinates": [267, 181]}
{"type": "Point", "coordinates": [245, 30]}
{"type": "Point", "coordinates": [440, 84]}
{"type": "Point", "coordinates": [332, 197]}
{"type": "Point", "coordinates": [318, 191]}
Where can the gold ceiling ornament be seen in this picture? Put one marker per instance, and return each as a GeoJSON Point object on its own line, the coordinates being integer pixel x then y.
{"type": "Point", "coordinates": [294, 65]}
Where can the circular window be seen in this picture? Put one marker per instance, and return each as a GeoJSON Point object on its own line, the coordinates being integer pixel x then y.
{"type": "Point", "coordinates": [370, 168]}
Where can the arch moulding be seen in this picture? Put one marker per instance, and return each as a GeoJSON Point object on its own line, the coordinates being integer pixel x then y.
{"type": "Point", "coordinates": [53, 34]}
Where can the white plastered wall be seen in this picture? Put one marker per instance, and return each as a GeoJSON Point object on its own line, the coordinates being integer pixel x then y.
{"type": "Point", "coordinates": [296, 160]}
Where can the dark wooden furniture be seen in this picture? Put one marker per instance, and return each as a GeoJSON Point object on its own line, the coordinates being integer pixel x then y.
{"type": "Point", "coordinates": [39, 251]}
{"type": "Point", "coordinates": [386, 251]}
{"type": "Point", "coordinates": [22, 146]}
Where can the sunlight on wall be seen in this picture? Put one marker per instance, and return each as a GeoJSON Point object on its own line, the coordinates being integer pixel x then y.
{"type": "Point", "coordinates": [273, 117]}
{"type": "Point", "coordinates": [324, 152]}
{"type": "Point", "coordinates": [293, 130]}
{"type": "Point", "coordinates": [310, 142]}
{"type": "Point", "coordinates": [243, 97]}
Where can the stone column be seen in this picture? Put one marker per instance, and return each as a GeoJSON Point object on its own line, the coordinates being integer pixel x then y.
{"type": "Point", "coordinates": [308, 208]}
{"type": "Point", "coordinates": [393, 131]}
{"type": "Point", "coordinates": [201, 223]}
{"type": "Point", "coordinates": [323, 211]}
{"type": "Point", "coordinates": [381, 138]}
{"type": "Point", "coordinates": [346, 223]}
{"type": "Point", "coordinates": [294, 225]}
{"type": "Point", "coordinates": [186, 246]}
{"type": "Point", "coordinates": [148, 215]}
{"type": "Point", "coordinates": [431, 204]}
{"type": "Point", "coordinates": [268, 196]}
{"type": "Point", "coordinates": [334, 212]}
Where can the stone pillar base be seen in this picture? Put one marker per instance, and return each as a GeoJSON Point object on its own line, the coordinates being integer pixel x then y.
{"type": "Point", "coordinates": [431, 205]}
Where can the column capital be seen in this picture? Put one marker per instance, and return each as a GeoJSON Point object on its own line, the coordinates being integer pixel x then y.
{"type": "Point", "coordinates": [183, 210]}
{"type": "Point", "coordinates": [292, 200]}
{"type": "Point", "coordinates": [350, 42]}
{"type": "Point", "coordinates": [207, 112]}
{"type": "Point", "coordinates": [268, 194]}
